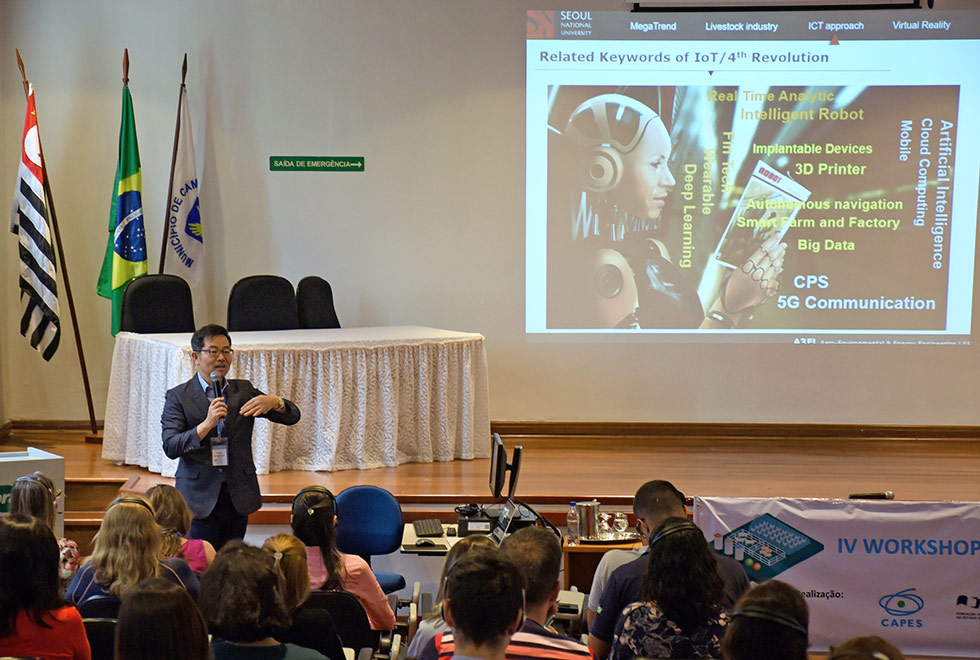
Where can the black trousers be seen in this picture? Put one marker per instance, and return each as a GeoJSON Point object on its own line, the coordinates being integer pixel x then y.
{"type": "Point", "coordinates": [224, 524]}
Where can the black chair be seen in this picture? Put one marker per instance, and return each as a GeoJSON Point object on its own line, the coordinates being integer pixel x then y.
{"type": "Point", "coordinates": [157, 303]}
{"type": "Point", "coordinates": [314, 299]}
{"type": "Point", "coordinates": [349, 616]}
{"type": "Point", "coordinates": [262, 302]}
{"type": "Point", "coordinates": [370, 523]}
{"type": "Point", "coordinates": [101, 635]}
{"type": "Point", "coordinates": [99, 606]}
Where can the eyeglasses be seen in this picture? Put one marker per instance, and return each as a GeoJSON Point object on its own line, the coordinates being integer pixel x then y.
{"type": "Point", "coordinates": [215, 352]}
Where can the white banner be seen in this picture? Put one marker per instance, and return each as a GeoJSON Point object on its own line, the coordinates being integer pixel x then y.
{"type": "Point", "coordinates": [185, 230]}
{"type": "Point", "coordinates": [907, 571]}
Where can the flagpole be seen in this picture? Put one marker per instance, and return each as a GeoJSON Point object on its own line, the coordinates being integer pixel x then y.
{"type": "Point", "coordinates": [96, 435]}
{"type": "Point", "coordinates": [173, 166]}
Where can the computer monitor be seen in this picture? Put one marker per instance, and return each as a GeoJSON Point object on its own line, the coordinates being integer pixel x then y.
{"type": "Point", "coordinates": [499, 467]}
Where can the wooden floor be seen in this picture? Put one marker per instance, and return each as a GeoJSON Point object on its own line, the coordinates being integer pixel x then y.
{"type": "Point", "coordinates": [556, 470]}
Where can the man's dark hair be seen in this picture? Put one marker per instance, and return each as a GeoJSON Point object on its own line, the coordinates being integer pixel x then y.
{"type": "Point", "coordinates": [486, 594]}
{"type": "Point", "coordinates": [537, 553]}
{"type": "Point", "coordinates": [241, 594]}
{"type": "Point", "coordinates": [206, 332]}
{"type": "Point", "coordinates": [778, 636]}
{"type": "Point", "coordinates": [657, 500]}
{"type": "Point", "coordinates": [682, 574]}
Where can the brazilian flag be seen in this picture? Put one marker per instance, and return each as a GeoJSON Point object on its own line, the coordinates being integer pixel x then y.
{"type": "Point", "coordinates": [125, 253]}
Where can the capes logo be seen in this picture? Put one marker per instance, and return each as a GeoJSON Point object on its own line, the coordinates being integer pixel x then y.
{"type": "Point", "coordinates": [901, 606]}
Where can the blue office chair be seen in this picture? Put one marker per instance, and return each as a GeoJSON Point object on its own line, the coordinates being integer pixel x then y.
{"type": "Point", "coordinates": [369, 522]}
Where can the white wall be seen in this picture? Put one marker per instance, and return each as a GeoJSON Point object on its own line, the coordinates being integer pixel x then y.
{"type": "Point", "coordinates": [431, 92]}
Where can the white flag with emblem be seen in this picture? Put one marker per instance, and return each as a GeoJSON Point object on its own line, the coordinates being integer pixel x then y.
{"type": "Point", "coordinates": [185, 231]}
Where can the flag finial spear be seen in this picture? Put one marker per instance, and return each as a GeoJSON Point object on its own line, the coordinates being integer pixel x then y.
{"type": "Point", "coordinates": [125, 66]}
{"type": "Point", "coordinates": [23, 75]}
{"type": "Point", "coordinates": [183, 70]}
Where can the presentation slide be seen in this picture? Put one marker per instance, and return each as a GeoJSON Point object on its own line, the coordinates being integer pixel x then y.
{"type": "Point", "coordinates": [785, 176]}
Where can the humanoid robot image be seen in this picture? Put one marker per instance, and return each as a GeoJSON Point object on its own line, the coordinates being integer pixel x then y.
{"type": "Point", "coordinates": [625, 278]}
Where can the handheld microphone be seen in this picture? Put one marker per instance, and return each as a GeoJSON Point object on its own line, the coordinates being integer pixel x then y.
{"type": "Point", "coordinates": [216, 384]}
{"type": "Point", "coordinates": [884, 495]}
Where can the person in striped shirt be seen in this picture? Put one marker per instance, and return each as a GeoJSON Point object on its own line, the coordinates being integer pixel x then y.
{"type": "Point", "coordinates": [484, 606]}
{"type": "Point", "coordinates": [537, 553]}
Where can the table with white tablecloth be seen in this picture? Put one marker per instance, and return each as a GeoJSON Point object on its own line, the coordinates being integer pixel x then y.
{"type": "Point", "coordinates": [369, 397]}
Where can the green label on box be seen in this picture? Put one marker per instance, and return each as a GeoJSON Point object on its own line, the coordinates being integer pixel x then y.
{"type": "Point", "coordinates": [316, 163]}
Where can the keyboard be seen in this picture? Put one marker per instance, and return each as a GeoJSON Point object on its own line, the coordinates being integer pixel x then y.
{"type": "Point", "coordinates": [427, 527]}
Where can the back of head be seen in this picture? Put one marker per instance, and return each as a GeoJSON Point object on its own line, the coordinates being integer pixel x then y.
{"type": "Point", "coordinates": [485, 596]}
{"type": "Point", "coordinates": [158, 620]}
{"type": "Point", "coordinates": [289, 555]}
{"type": "Point", "coordinates": [682, 574]}
{"type": "Point", "coordinates": [537, 552]}
{"type": "Point", "coordinates": [312, 521]}
{"type": "Point", "coordinates": [34, 495]}
{"type": "Point", "coordinates": [241, 595]}
{"type": "Point", "coordinates": [128, 545]}
{"type": "Point", "coordinates": [770, 621]}
{"type": "Point", "coordinates": [28, 570]}
{"type": "Point", "coordinates": [467, 544]}
{"type": "Point", "coordinates": [171, 512]}
{"type": "Point", "coordinates": [870, 647]}
{"type": "Point", "coordinates": [657, 500]}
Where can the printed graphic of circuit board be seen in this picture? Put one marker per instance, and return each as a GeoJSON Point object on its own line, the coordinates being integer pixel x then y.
{"type": "Point", "coordinates": [767, 546]}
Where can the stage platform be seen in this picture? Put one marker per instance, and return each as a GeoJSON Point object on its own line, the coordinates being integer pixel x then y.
{"type": "Point", "coordinates": [558, 470]}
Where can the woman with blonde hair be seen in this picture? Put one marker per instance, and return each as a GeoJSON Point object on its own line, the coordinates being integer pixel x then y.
{"type": "Point", "coordinates": [312, 627]}
{"type": "Point", "coordinates": [35, 495]}
{"type": "Point", "coordinates": [128, 549]}
{"type": "Point", "coordinates": [174, 517]}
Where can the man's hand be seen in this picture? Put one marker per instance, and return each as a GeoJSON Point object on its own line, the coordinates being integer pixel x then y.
{"type": "Point", "coordinates": [217, 410]}
{"type": "Point", "coordinates": [260, 405]}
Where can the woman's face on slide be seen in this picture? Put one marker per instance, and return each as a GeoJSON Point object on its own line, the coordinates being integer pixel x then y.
{"type": "Point", "coordinates": [646, 179]}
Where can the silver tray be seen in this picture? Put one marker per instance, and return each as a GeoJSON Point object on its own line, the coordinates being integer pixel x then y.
{"type": "Point", "coordinates": [614, 537]}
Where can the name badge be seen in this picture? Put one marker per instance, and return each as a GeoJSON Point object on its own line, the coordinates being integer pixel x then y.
{"type": "Point", "coordinates": [219, 451]}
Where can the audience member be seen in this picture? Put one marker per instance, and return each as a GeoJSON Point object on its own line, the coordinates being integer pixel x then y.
{"type": "Point", "coordinates": [160, 621]}
{"type": "Point", "coordinates": [128, 549]}
{"type": "Point", "coordinates": [34, 620]}
{"type": "Point", "coordinates": [483, 605]}
{"type": "Point", "coordinates": [312, 627]}
{"type": "Point", "coordinates": [870, 647]}
{"type": "Point", "coordinates": [434, 623]}
{"type": "Point", "coordinates": [243, 604]}
{"type": "Point", "coordinates": [681, 616]}
{"type": "Point", "coordinates": [35, 495]}
{"type": "Point", "coordinates": [625, 584]}
{"type": "Point", "coordinates": [171, 512]}
{"type": "Point", "coordinates": [314, 522]}
{"type": "Point", "coordinates": [537, 554]}
{"type": "Point", "coordinates": [770, 621]}
{"type": "Point", "coordinates": [654, 502]}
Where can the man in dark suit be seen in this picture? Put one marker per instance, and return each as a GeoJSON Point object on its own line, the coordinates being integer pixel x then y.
{"type": "Point", "coordinates": [211, 434]}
